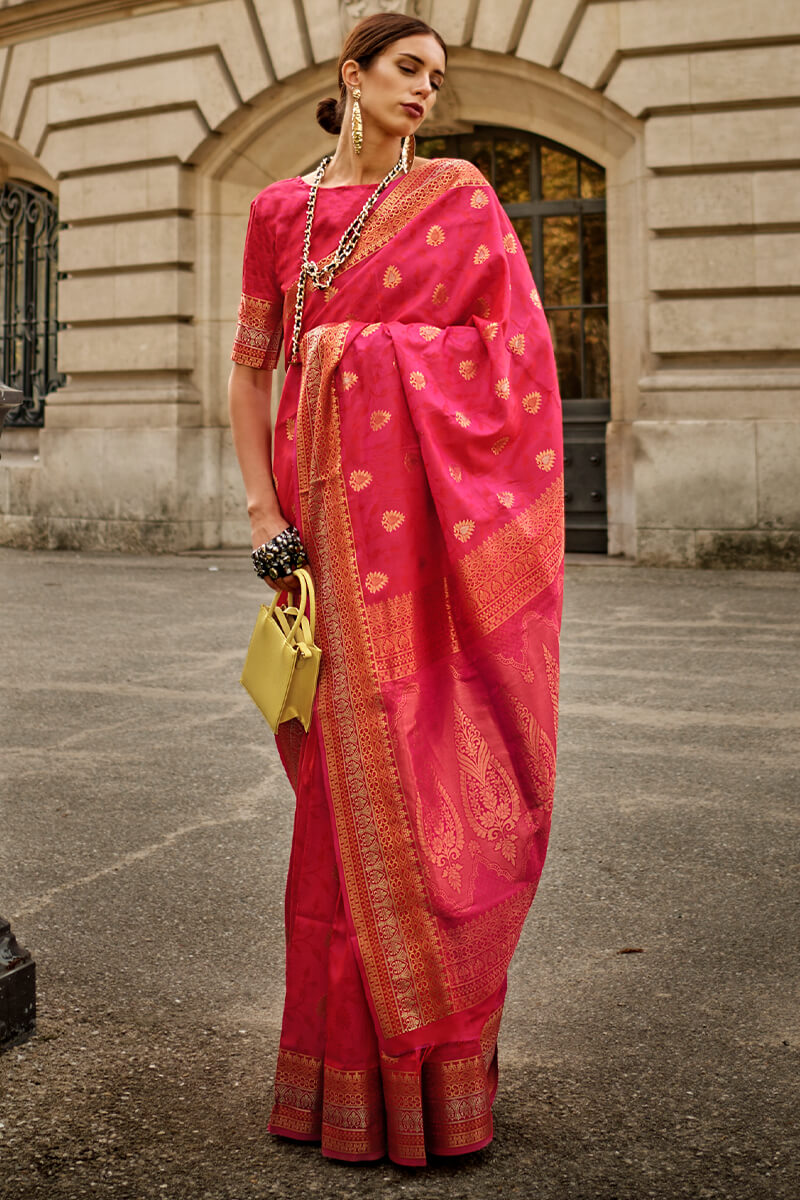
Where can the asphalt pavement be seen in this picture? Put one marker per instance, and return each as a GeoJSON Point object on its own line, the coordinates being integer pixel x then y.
{"type": "Point", "coordinates": [649, 1046]}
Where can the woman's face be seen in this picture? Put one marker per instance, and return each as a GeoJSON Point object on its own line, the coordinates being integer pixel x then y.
{"type": "Point", "coordinates": [399, 88]}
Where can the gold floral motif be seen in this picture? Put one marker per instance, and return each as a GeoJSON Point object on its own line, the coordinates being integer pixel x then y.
{"type": "Point", "coordinates": [462, 419]}
{"type": "Point", "coordinates": [500, 445]}
{"type": "Point", "coordinates": [329, 293]}
{"type": "Point", "coordinates": [481, 254]}
{"type": "Point", "coordinates": [290, 429]}
{"type": "Point", "coordinates": [429, 332]}
{"type": "Point", "coordinates": [375, 581]}
{"type": "Point", "coordinates": [378, 418]}
{"type": "Point", "coordinates": [464, 530]}
{"type": "Point", "coordinates": [479, 199]}
{"type": "Point", "coordinates": [489, 332]}
{"type": "Point", "coordinates": [442, 834]}
{"type": "Point", "coordinates": [483, 308]}
{"type": "Point", "coordinates": [435, 235]}
{"type": "Point", "coordinates": [545, 459]}
{"type": "Point", "coordinates": [491, 801]}
{"type": "Point", "coordinates": [349, 379]}
{"type": "Point", "coordinates": [440, 295]}
{"type": "Point", "coordinates": [359, 480]}
{"type": "Point", "coordinates": [536, 298]}
{"type": "Point", "coordinates": [456, 474]}
{"type": "Point", "coordinates": [510, 243]}
{"type": "Point", "coordinates": [368, 330]}
{"type": "Point", "coordinates": [417, 380]}
{"type": "Point", "coordinates": [411, 460]}
{"type": "Point", "coordinates": [502, 389]}
{"type": "Point", "coordinates": [392, 276]}
{"type": "Point", "coordinates": [532, 402]}
{"type": "Point", "coordinates": [467, 369]}
{"type": "Point", "coordinates": [506, 499]}
{"type": "Point", "coordinates": [392, 519]}
{"type": "Point", "coordinates": [516, 344]}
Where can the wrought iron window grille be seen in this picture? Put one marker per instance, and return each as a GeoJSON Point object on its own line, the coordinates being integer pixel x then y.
{"type": "Point", "coordinates": [28, 280]}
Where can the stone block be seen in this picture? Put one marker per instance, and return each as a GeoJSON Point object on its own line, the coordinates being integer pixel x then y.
{"type": "Point", "coordinates": [449, 18]}
{"type": "Point", "coordinates": [282, 35]}
{"type": "Point", "coordinates": [747, 73]}
{"type": "Point", "coordinates": [592, 49]}
{"type": "Point", "coordinates": [741, 394]}
{"type": "Point", "coordinates": [665, 547]}
{"type": "Point", "coordinates": [752, 550]}
{"type": "Point", "coordinates": [777, 260]}
{"type": "Point", "coordinates": [126, 244]}
{"type": "Point", "coordinates": [696, 263]}
{"type": "Point", "coordinates": [130, 475]}
{"type": "Point", "coordinates": [130, 139]}
{"type": "Point", "coordinates": [546, 31]}
{"type": "Point", "coordinates": [776, 197]}
{"type": "Point", "coordinates": [717, 138]}
{"type": "Point", "coordinates": [652, 81]}
{"type": "Point", "coordinates": [495, 25]}
{"type": "Point", "coordinates": [695, 474]}
{"type": "Point", "coordinates": [778, 465]}
{"type": "Point", "coordinates": [224, 24]}
{"type": "Point", "coordinates": [200, 80]}
{"type": "Point", "coordinates": [645, 23]}
{"type": "Point", "coordinates": [697, 201]}
{"type": "Point", "coordinates": [324, 29]}
{"type": "Point", "coordinates": [126, 296]}
{"type": "Point", "coordinates": [724, 323]}
{"type": "Point", "coordinates": [126, 192]}
{"type": "Point", "coordinates": [24, 63]}
{"type": "Point", "coordinates": [147, 347]}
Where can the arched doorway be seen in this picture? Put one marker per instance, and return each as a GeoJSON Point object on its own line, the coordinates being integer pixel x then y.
{"type": "Point", "coordinates": [556, 201]}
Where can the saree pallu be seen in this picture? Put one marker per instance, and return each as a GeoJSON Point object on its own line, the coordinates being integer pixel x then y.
{"type": "Point", "coordinates": [420, 454]}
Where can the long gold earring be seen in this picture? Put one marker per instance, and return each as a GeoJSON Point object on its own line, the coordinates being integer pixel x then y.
{"type": "Point", "coordinates": [357, 127]}
{"type": "Point", "coordinates": [409, 150]}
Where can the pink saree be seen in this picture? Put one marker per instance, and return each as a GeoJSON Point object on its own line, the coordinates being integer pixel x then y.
{"type": "Point", "coordinates": [418, 449]}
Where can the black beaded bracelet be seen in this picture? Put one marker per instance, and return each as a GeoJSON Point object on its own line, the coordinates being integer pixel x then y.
{"type": "Point", "coordinates": [280, 556]}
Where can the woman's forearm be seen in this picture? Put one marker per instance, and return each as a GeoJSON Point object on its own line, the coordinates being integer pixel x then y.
{"type": "Point", "coordinates": [249, 393]}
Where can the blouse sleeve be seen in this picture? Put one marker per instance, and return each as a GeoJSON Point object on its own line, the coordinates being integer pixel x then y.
{"type": "Point", "coordinates": [260, 329]}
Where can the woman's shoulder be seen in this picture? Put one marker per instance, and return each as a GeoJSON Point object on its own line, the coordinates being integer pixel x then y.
{"type": "Point", "coordinates": [454, 172]}
{"type": "Point", "coordinates": [278, 192]}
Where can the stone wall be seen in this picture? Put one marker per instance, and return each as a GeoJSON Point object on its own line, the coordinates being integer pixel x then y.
{"type": "Point", "coordinates": [156, 129]}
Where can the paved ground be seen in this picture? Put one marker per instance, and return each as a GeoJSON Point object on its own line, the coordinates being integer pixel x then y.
{"type": "Point", "coordinates": [145, 834]}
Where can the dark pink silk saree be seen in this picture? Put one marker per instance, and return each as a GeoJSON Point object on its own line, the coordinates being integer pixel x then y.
{"type": "Point", "coordinates": [418, 449]}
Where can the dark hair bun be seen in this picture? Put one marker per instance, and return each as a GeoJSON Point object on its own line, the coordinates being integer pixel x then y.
{"type": "Point", "coordinates": [328, 116]}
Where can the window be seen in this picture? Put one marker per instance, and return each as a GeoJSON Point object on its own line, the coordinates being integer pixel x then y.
{"type": "Point", "coordinates": [556, 201]}
{"type": "Point", "coordinates": [28, 274]}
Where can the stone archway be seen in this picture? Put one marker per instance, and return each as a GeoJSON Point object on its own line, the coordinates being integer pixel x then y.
{"type": "Point", "coordinates": [280, 139]}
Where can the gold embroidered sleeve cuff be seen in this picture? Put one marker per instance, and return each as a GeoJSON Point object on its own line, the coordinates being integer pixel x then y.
{"type": "Point", "coordinates": [258, 333]}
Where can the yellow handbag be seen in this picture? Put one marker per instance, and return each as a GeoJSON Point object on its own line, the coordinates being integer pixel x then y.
{"type": "Point", "coordinates": [282, 664]}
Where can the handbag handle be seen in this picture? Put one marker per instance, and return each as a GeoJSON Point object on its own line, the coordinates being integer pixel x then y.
{"type": "Point", "coordinates": [307, 597]}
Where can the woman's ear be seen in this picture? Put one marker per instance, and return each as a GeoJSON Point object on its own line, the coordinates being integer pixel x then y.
{"type": "Point", "coordinates": [351, 74]}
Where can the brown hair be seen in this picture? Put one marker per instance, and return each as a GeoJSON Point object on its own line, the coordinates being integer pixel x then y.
{"type": "Point", "coordinates": [366, 42]}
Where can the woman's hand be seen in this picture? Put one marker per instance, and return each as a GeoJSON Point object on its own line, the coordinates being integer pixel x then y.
{"type": "Point", "coordinates": [264, 529]}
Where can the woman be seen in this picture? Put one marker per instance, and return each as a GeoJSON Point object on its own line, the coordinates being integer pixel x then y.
{"type": "Point", "coordinates": [418, 453]}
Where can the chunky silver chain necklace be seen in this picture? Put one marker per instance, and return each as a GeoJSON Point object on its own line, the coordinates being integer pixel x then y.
{"type": "Point", "coordinates": [321, 276]}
